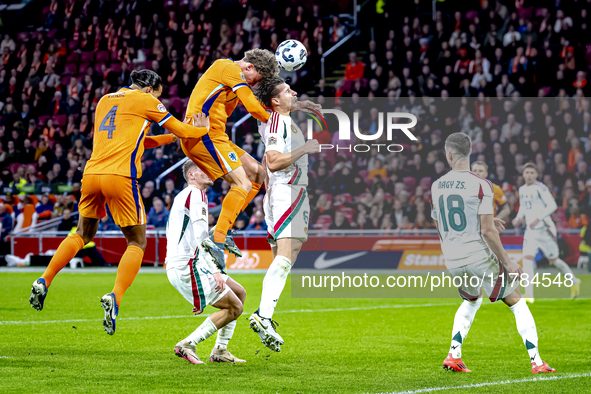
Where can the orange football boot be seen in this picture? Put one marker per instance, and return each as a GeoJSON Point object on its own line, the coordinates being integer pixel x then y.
{"type": "Point", "coordinates": [544, 368]}
{"type": "Point", "coordinates": [456, 364]}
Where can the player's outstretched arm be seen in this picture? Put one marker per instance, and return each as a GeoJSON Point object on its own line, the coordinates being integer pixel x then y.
{"type": "Point", "coordinates": [306, 106]}
{"type": "Point", "coordinates": [551, 205]}
{"type": "Point", "coordinates": [199, 128]}
{"type": "Point", "coordinates": [491, 236]}
{"type": "Point", "coordinates": [252, 105]}
{"type": "Point", "coordinates": [159, 140]}
{"type": "Point", "coordinates": [278, 161]}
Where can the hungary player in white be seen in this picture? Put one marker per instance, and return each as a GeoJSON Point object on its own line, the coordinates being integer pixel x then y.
{"type": "Point", "coordinates": [194, 274]}
{"type": "Point", "coordinates": [536, 204]}
{"type": "Point", "coordinates": [462, 206]}
{"type": "Point", "coordinates": [286, 203]}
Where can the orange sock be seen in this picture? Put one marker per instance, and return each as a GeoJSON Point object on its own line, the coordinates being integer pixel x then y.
{"type": "Point", "coordinates": [129, 266]}
{"type": "Point", "coordinates": [231, 207]}
{"type": "Point", "coordinates": [65, 252]}
{"type": "Point", "coordinates": [251, 195]}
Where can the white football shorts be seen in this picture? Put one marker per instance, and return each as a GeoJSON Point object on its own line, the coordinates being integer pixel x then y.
{"type": "Point", "coordinates": [196, 284]}
{"type": "Point", "coordinates": [543, 239]}
{"type": "Point", "coordinates": [287, 210]}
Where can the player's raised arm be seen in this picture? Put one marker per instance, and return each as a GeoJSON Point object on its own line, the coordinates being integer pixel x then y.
{"type": "Point", "coordinates": [159, 140]}
{"type": "Point", "coordinates": [252, 105]}
{"type": "Point", "coordinates": [153, 110]}
{"type": "Point", "coordinates": [199, 128]}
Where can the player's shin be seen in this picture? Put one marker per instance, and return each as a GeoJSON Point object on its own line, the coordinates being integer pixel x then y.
{"type": "Point", "coordinates": [251, 195]}
{"type": "Point", "coordinates": [462, 322]}
{"type": "Point", "coordinates": [129, 266]}
{"type": "Point", "coordinates": [224, 335]}
{"type": "Point", "coordinates": [65, 252]}
{"type": "Point", "coordinates": [528, 268]}
{"type": "Point", "coordinates": [204, 331]}
{"type": "Point", "coordinates": [273, 285]}
{"type": "Point", "coordinates": [527, 329]}
{"type": "Point", "coordinates": [564, 268]}
{"type": "Point", "coordinates": [231, 207]}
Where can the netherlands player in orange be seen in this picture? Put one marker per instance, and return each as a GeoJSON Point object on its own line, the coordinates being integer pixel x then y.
{"type": "Point", "coordinates": [122, 119]}
{"type": "Point", "coordinates": [216, 94]}
{"type": "Point", "coordinates": [500, 205]}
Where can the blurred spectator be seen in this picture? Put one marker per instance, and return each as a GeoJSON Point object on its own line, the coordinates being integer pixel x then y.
{"type": "Point", "coordinates": [68, 221]}
{"type": "Point", "coordinates": [340, 222]}
{"type": "Point", "coordinates": [158, 215]}
{"type": "Point", "coordinates": [259, 222]}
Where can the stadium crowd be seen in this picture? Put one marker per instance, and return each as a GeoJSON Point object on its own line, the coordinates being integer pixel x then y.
{"type": "Point", "coordinates": [469, 71]}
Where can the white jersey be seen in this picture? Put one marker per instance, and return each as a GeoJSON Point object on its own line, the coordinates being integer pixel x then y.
{"type": "Point", "coordinates": [282, 135]}
{"type": "Point", "coordinates": [458, 199]}
{"type": "Point", "coordinates": [187, 227]}
{"type": "Point", "coordinates": [536, 202]}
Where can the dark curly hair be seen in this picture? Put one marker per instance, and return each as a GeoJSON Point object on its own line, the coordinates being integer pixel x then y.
{"type": "Point", "coordinates": [146, 78]}
{"type": "Point", "coordinates": [268, 88]}
{"type": "Point", "coordinates": [263, 61]}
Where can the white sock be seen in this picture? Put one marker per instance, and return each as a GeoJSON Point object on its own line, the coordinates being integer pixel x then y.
{"type": "Point", "coordinates": [564, 268]}
{"type": "Point", "coordinates": [527, 329]}
{"type": "Point", "coordinates": [224, 335]}
{"type": "Point", "coordinates": [528, 268]}
{"type": "Point", "coordinates": [462, 322]}
{"type": "Point", "coordinates": [273, 285]}
{"type": "Point", "coordinates": [204, 331]}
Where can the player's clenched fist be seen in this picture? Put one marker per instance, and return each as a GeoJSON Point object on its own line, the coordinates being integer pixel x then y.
{"type": "Point", "coordinates": [201, 120]}
{"type": "Point", "coordinates": [312, 146]}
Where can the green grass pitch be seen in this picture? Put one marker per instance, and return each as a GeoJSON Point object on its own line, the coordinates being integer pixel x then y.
{"type": "Point", "coordinates": [331, 345]}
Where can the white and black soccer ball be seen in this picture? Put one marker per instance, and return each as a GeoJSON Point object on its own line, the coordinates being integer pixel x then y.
{"type": "Point", "coordinates": [291, 55]}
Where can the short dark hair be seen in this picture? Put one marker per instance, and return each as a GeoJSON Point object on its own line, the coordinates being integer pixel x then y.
{"type": "Point", "coordinates": [529, 164]}
{"type": "Point", "coordinates": [267, 89]}
{"type": "Point", "coordinates": [187, 167]}
{"type": "Point", "coordinates": [459, 143]}
{"type": "Point", "coordinates": [146, 78]}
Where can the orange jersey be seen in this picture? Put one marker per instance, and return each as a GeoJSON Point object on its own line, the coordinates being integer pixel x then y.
{"type": "Point", "coordinates": [499, 198]}
{"type": "Point", "coordinates": [121, 122]}
{"type": "Point", "coordinates": [217, 93]}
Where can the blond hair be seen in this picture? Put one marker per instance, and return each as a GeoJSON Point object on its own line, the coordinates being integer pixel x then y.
{"type": "Point", "coordinates": [263, 61]}
{"type": "Point", "coordinates": [187, 166]}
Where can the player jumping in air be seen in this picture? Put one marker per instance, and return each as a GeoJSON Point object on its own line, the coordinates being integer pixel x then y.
{"type": "Point", "coordinates": [216, 94]}
{"type": "Point", "coordinates": [193, 273]}
{"type": "Point", "coordinates": [462, 207]}
{"type": "Point", "coordinates": [536, 204]}
{"type": "Point", "coordinates": [286, 202]}
{"type": "Point", "coordinates": [122, 120]}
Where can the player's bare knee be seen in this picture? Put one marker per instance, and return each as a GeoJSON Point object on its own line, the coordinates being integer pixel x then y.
{"type": "Point", "coordinates": [141, 243]}
{"type": "Point", "coordinates": [241, 294]}
{"type": "Point", "coordinates": [235, 309]}
{"type": "Point", "coordinates": [552, 261]}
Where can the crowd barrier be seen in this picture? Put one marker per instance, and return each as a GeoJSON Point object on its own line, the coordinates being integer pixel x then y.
{"type": "Point", "coordinates": [373, 249]}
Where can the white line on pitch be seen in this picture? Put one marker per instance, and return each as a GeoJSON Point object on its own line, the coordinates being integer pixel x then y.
{"type": "Point", "coordinates": [484, 384]}
{"type": "Point", "coordinates": [205, 315]}
{"type": "Point", "coordinates": [360, 308]}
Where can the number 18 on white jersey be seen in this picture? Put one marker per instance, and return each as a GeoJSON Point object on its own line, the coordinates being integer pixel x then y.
{"type": "Point", "coordinates": [458, 199]}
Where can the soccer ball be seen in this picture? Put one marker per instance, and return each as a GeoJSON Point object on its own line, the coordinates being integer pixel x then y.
{"type": "Point", "coordinates": [291, 55]}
